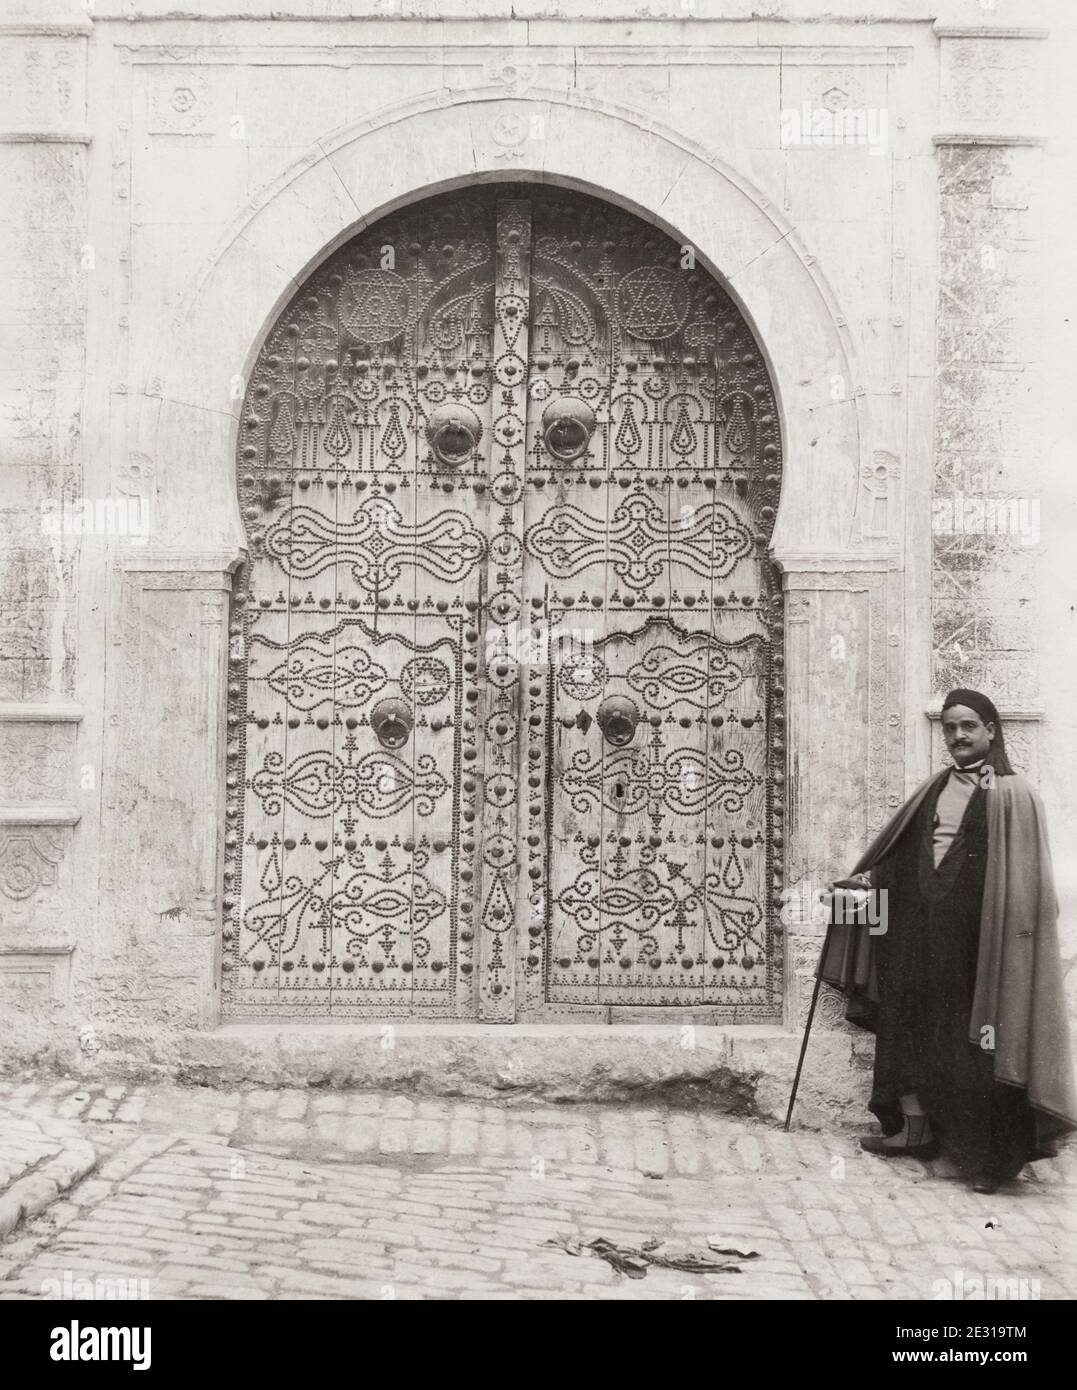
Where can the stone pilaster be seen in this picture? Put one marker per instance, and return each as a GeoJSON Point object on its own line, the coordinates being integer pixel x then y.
{"type": "Point", "coordinates": [989, 387]}
{"type": "Point", "coordinates": [845, 677]}
{"type": "Point", "coordinates": [165, 789]}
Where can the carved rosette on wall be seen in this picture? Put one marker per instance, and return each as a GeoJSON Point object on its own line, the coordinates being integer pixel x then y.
{"type": "Point", "coordinates": [28, 860]}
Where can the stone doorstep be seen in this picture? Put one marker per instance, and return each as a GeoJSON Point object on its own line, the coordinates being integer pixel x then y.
{"type": "Point", "coordinates": [742, 1069]}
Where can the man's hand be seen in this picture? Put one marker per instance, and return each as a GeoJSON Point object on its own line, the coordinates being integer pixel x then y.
{"type": "Point", "coordinates": [854, 894]}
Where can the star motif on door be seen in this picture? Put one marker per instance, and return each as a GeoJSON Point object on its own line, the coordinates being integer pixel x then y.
{"type": "Point", "coordinates": [374, 305]}
{"type": "Point", "coordinates": [652, 302]}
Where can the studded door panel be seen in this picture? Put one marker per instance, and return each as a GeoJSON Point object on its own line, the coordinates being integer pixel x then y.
{"type": "Point", "coordinates": [646, 576]}
{"type": "Point", "coordinates": [350, 859]}
{"type": "Point", "coordinates": [508, 462]}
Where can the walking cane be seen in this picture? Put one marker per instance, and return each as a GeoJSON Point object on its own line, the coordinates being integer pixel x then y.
{"type": "Point", "coordinates": [807, 1027]}
{"type": "Point", "coordinates": [841, 883]}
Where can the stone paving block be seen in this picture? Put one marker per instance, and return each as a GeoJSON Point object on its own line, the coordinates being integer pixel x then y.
{"type": "Point", "coordinates": [134, 1156]}
{"type": "Point", "coordinates": [651, 1146]}
{"type": "Point", "coordinates": [292, 1105]}
{"type": "Point", "coordinates": [62, 1088]}
{"type": "Point", "coordinates": [366, 1103]}
{"type": "Point", "coordinates": [274, 1130]}
{"type": "Point", "coordinates": [463, 1135]}
{"type": "Point", "coordinates": [360, 1134]}
{"type": "Point", "coordinates": [328, 1103]}
{"type": "Point", "coordinates": [493, 1139]}
{"type": "Point", "coordinates": [581, 1147]}
{"type": "Point", "coordinates": [429, 1136]}
{"type": "Point", "coordinates": [397, 1107]}
{"type": "Point", "coordinates": [618, 1150]}
{"type": "Point", "coordinates": [73, 1105]}
{"type": "Point", "coordinates": [394, 1136]}
{"type": "Point", "coordinates": [821, 1221]}
{"type": "Point", "coordinates": [441, 1110]}
{"type": "Point", "coordinates": [328, 1132]}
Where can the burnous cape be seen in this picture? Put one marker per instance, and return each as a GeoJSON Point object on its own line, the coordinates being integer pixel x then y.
{"type": "Point", "coordinates": [1018, 993]}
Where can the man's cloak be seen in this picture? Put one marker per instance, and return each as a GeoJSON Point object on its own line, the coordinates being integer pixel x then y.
{"type": "Point", "coordinates": [1019, 992]}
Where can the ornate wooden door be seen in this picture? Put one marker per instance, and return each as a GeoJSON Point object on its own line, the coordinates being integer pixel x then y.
{"type": "Point", "coordinates": [506, 698]}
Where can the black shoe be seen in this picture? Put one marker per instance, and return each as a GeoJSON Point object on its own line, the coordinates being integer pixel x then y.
{"type": "Point", "coordinates": [915, 1145]}
{"type": "Point", "coordinates": [985, 1183]}
{"type": "Point", "coordinates": [876, 1144]}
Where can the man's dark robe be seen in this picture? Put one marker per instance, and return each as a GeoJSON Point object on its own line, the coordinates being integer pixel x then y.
{"type": "Point", "coordinates": [964, 988]}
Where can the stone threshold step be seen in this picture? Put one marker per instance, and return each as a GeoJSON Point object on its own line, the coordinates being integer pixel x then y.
{"type": "Point", "coordinates": [742, 1069]}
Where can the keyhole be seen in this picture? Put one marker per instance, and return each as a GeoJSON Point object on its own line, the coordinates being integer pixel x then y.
{"type": "Point", "coordinates": [619, 791]}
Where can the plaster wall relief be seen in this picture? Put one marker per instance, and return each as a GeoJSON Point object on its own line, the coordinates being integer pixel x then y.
{"type": "Point", "coordinates": [986, 522]}
{"type": "Point", "coordinates": [876, 500]}
{"type": "Point", "coordinates": [987, 81]}
{"type": "Point", "coordinates": [181, 100]}
{"type": "Point", "coordinates": [43, 78]}
{"type": "Point", "coordinates": [35, 758]}
{"type": "Point", "coordinates": [42, 972]}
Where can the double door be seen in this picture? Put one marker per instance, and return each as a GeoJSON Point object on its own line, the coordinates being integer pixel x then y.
{"type": "Point", "coordinates": [506, 698]}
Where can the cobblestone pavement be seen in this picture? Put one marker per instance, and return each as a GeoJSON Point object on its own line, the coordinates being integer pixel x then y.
{"type": "Point", "coordinates": [201, 1193]}
{"type": "Point", "coordinates": [39, 1159]}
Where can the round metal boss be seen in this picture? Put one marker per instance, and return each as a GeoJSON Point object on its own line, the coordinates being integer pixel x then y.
{"type": "Point", "coordinates": [391, 720]}
{"type": "Point", "coordinates": [618, 718]}
{"type": "Point", "coordinates": [567, 426]}
{"type": "Point", "coordinates": [453, 431]}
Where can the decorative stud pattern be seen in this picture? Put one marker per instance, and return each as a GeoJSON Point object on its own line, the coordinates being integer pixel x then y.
{"type": "Point", "coordinates": [657, 863]}
{"type": "Point", "coordinates": [502, 739]}
{"type": "Point", "coordinates": [528, 473]}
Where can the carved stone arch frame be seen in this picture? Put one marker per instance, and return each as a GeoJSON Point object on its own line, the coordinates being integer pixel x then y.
{"type": "Point", "coordinates": [837, 582]}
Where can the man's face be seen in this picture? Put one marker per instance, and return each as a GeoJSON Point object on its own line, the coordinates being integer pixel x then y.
{"type": "Point", "coordinates": [968, 738]}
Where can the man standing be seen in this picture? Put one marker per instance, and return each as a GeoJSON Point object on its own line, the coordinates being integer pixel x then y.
{"type": "Point", "coordinates": [963, 986]}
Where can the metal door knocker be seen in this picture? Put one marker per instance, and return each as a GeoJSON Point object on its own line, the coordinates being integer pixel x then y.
{"type": "Point", "coordinates": [617, 718]}
{"type": "Point", "coordinates": [391, 720]}
{"type": "Point", "coordinates": [567, 426]}
{"type": "Point", "coordinates": [453, 432]}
